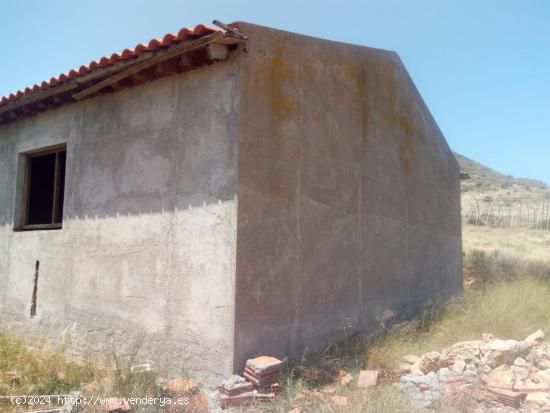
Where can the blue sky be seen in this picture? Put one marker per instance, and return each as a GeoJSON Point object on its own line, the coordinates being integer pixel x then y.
{"type": "Point", "coordinates": [483, 67]}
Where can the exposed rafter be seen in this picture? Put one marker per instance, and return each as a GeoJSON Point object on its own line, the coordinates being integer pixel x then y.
{"type": "Point", "coordinates": [149, 65]}
{"type": "Point", "coordinates": [171, 52]}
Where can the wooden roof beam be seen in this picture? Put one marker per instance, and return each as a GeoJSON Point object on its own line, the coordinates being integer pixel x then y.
{"type": "Point", "coordinates": [73, 84]}
{"type": "Point", "coordinates": [166, 68]}
{"type": "Point", "coordinates": [7, 117]}
{"type": "Point", "coordinates": [171, 52]}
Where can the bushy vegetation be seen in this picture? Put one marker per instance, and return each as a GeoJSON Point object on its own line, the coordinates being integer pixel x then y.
{"type": "Point", "coordinates": [494, 267]}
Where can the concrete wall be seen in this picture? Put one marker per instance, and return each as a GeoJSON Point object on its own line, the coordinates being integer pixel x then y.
{"type": "Point", "coordinates": [147, 248]}
{"type": "Point", "coordinates": [349, 209]}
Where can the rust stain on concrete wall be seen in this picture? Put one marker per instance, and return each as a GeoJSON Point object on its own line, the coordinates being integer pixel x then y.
{"type": "Point", "coordinates": [280, 74]}
{"type": "Point", "coordinates": [358, 75]}
{"type": "Point", "coordinates": [281, 79]}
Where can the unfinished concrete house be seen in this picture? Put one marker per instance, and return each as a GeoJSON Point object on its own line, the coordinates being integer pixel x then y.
{"type": "Point", "coordinates": [222, 193]}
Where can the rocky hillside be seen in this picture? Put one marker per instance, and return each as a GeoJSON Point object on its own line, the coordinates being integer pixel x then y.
{"type": "Point", "coordinates": [494, 199]}
{"type": "Point", "coordinates": [481, 176]}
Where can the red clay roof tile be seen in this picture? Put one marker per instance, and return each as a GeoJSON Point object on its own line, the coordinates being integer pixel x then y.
{"type": "Point", "coordinates": [154, 44]}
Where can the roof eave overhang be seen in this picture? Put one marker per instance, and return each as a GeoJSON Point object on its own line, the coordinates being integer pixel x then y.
{"type": "Point", "coordinates": [178, 58]}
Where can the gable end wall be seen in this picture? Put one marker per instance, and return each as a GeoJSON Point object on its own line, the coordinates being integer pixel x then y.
{"type": "Point", "coordinates": [349, 209]}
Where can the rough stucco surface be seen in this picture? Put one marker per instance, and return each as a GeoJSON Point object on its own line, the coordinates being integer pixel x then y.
{"type": "Point", "coordinates": [147, 250]}
{"type": "Point", "coordinates": [349, 210]}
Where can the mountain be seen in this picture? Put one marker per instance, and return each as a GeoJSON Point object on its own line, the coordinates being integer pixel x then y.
{"type": "Point", "coordinates": [490, 198]}
{"type": "Point", "coordinates": [487, 177]}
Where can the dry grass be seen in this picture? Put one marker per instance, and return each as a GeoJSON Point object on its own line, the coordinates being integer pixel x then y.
{"type": "Point", "coordinates": [510, 301]}
{"type": "Point", "coordinates": [25, 371]}
{"type": "Point", "coordinates": [503, 196]}
{"type": "Point", "coordinates": [494, 267]}
{"type": "Point", "coordinates": [509, 309]}
{"type": "Point", "coordinates": [30, 371]}
{"type": "Point", "coordinates": [114, 378]}
{"type": "Point", "coordinates": [524, 243]}
{"type": "Point", "coordinates": [35, 372]}
{"type": "Point", "coordinates": [380, 399]}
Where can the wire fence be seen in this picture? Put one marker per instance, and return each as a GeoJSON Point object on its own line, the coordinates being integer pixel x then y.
{"type": "Point", "coordinates": [496, 213]}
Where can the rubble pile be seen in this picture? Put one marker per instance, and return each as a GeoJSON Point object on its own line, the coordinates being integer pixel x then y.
{"type": "Point", "coordinates": [506, 375]}
{"type": "Point", "coordinates": [259, 384]}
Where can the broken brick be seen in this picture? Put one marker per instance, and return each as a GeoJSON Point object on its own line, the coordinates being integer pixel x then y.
{"type": "Point", "coordinates": [339, 400]}
{"type": "Point", "coordinates": [272, 388]}
{"type": "Point", "coordinates": [266, 378]}
{"type": "Point", "coordinates": [265, 397]}
{"type": "Point", "coordinates": [180, 385]}
{"type": "Point", "coordinates": [236, 401]}
{"type": "Point", "coordinates": [263, 370]}
{"type": "Point", "coordinates": [508, 398]}
{"type": "Point", "coordinates": [235, 385]}
{"type": "Point", "coordinates": [263, 364]}
{"type": "Point", "coordinates": [367, 378]}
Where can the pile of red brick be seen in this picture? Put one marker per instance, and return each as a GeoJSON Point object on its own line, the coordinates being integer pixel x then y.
{"type": "Point", "coordinates": [259, 384]}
